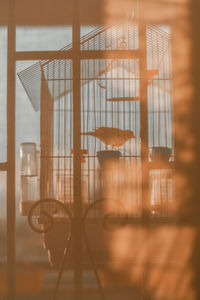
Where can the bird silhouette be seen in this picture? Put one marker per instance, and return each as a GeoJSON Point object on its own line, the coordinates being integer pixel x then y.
{"type": "Point", "coordinates": [114, 137]}
{"type": "Point", "coordinates": [123, 99]}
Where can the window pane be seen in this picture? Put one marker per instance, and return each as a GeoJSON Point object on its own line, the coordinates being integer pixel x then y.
{"type": "Point", "coordinates": [42, 38]}
{"type": "Point", "coordinates": [3, 93]}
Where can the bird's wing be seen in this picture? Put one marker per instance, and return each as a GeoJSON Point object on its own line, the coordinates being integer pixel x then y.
{"type": "Point", "coordinates": [101, 129]}
{"type": "Point", "coordinates": [116, 131]}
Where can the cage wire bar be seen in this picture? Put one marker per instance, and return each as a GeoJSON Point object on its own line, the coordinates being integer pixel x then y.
{"type": "Point", "coordinates": [110, 97]}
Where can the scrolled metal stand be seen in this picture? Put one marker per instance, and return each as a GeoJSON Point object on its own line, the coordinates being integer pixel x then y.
{"type": "Point", "coordinates": [105, 221]}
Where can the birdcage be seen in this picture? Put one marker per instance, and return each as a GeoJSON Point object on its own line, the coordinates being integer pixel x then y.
{"type": "Point", "coordinates": [111, 120]}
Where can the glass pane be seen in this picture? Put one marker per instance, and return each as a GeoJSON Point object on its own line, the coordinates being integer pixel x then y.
{"type": "Point", "coordinates": [3, 233]}
{"type": "Point", "coordinates": [159, 88]}
{"type": "Point", "coordinates": [112, 37]}
{"type": "Point", "coordinates": [3, 93]}
{"type": "Point", "coordinates": [110, 119]}
{"type": "Point", "coordinates": [42, 38]}
{"type": "Point", "coordinates": [29, 248]}
{"type": "Point", "coordinates": [3, 213]}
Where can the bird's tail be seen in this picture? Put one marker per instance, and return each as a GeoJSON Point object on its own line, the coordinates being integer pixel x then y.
{"type": "Point", "coordinates": [87, 133]}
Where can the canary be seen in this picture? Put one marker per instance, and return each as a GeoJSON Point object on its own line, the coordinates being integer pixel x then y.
{"type": "Point", "coordinates": [114, 137]}
{"type": "Point", "coordinates": [123, 99]}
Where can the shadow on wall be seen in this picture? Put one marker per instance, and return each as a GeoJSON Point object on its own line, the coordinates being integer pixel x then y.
{"type": "Point", "coordinates": [152, 256]}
